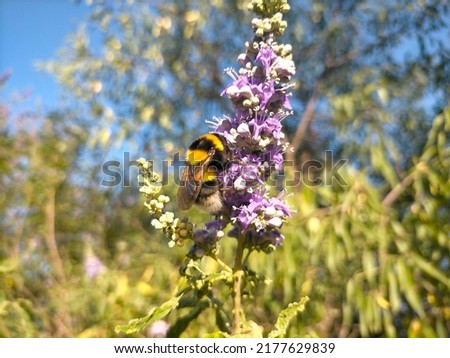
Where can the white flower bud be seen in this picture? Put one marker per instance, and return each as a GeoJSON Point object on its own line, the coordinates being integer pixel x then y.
{"type": "Point", "coordinates": [239, 184]}
{"type": "Point", "coordinates": [259, 32]}
{"type": "Point", "coordinates": [242, 58]}
{"type": "Point", "coordinates": [157, 224]}
{"type": "Point", "coordinates": [243, 128]}
{"type": "Point", "coordinates": [275, 221]}
{"type": "Point", "coordinates": [232, 91]}
{"type": "Point", "coordinates": [246, 91]}
{"type": "Point", "coordinates": [159, 206]}
{"type": "Point", "coordinates": [270, 211]}
{"type": "Point", "coordinates": [264, 142]}
{"type": "Point", "coordinates": [163, 199]}
{"type": "Point", "coordinates": [279, 213]}
{"type": "Point", "coordinates": [255, 100]}
{"type": "Point", "coordinates": [277, 17]}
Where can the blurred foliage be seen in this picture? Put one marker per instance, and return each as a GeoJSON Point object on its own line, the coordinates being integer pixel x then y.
{"type": "Point", "coordinates": [373, 255]}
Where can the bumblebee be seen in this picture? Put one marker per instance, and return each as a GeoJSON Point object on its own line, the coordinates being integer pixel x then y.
{"type": "Point", "coordinates": [206, 157]}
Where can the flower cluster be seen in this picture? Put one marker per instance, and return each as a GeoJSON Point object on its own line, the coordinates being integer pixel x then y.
{"type": "Point", "coordinates": [177, 230]}
{"type": "Point", "coordinates": [93, 266]}
{"type": "Point", "coordinates": [259, 93]}
{"type": "Point", "coordinates": [205, 240]}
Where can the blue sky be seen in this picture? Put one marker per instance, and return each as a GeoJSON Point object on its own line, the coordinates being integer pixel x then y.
{"type": "Point", "coordinates": [32, 30]}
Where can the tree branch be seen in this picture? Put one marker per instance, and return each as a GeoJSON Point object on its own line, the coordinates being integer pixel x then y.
{"type": "Point", "coordinates": [50, 236]}
{"type": "Point", "coordinates": [237, 284]}
{"type": "Point", "coordinates": [395, 193]}
{"type": "Point", "coordinates": [303, 125]}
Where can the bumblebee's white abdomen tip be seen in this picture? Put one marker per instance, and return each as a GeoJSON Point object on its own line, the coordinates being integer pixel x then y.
{"type": "Point", "coordinates": [212, 203]}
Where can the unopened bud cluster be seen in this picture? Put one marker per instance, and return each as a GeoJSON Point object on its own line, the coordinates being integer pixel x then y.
{"type": "Point", "coordinates": [270, 16]}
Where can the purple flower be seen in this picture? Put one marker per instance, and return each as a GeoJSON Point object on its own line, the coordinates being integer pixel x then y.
{"type": "Point", "coordinates": [275, 66]}
{"type": "Point", "coordinates": [266, 241]}
{"type": "Point", "coordinates": [205, 240]}
{"type": "Point", "coordinates": [158, 329]}
{"type": "Point", "coordinates": [93, 266]}
{"type": "Point", "coordinates": [265, 57]}
{"type": "Point", "coordinates": [261, 213]}
{"type": "Point", "coordinates": [259, 92]}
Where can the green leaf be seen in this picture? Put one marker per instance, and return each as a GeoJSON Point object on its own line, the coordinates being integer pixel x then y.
{"type": "Point", "coordinates": [182, 323]}
{"type": "Point", "coordinates": [408, 286]}
{"type": "Point", "coordinates": [389, 324]}
{"type": "Point", "coordinates": [347, 314]}
{"type": "Point", "coordinates": [249, 329]}
{"type": "Point", "coordinates": [15, 319]}
{"type": "Point", "coordinates": [369, 266]}
{"type": "Point", "coordinates": [155, 314]}
{"type": "Point", "coordinates": [222, 321]}
{"type": "Point", "coordinates": [350, 288]}
{"type": "Point", "coordinates": [285, 317]}
{"type": "Point", "coordinates": [431, 270]}
{"type": "Point", "coordinates": [383, 94]}
{"type": "Point", "coordinates": [394, 295]}
{"type": "Point", "coordinates": [218, 276]}
{"type": "Point", "coordinates": [8, 266]}
{"type": "Point", "coordinates": [380, 162]}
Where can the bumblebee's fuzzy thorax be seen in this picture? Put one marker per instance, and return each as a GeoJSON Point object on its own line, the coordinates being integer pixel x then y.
{"type": "Point", "coordinates": [202, 147]}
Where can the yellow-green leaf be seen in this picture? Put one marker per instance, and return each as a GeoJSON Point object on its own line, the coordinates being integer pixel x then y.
{"type": "Point", "coordinates": [286, 316]}
{"type": "Point", "coordinates": [155, 314]}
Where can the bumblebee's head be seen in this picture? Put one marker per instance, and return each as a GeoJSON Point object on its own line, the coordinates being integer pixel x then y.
{"type": "Point", "coordinates": [200, 150]}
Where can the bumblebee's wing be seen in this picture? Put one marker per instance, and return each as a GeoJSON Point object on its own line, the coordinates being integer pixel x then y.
{"type": "Point", "coordinates": [189, 188]}
{"type": "Point", "coordinates": [191, 182]}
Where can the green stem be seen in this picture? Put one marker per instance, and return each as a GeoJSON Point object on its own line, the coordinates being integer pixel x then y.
{"type": "Point", "coordinates": [237, 285]}
{"type": "Point", "coordinates": [222, 264]}
{"type": "Point", "coordinates": [247, 256]}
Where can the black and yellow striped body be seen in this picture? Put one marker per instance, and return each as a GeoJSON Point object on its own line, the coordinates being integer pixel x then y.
{"type": "Point", "coordinates": [206, 158]}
